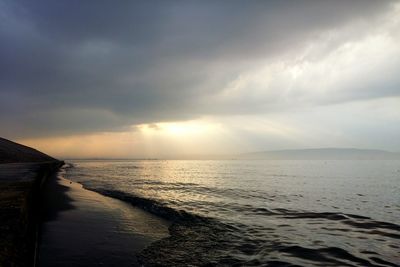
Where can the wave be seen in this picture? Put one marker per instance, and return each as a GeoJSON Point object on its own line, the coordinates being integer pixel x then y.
{"type": "Point", "coordinates": [68, 165]}
{"type": "Point", "coordinates": [150, 205]}
{"type": "Point", "coordinates": [199, 240]}
{"type": "Point", "coordinates": [355, 221]}
{"type": "Point", "coordinates": [206, 241]}
{"type": "Point", "coordinates": [335, 255]}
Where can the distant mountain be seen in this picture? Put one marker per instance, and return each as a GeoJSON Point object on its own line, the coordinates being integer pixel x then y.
{"type": "Point", "coordinates": [323, 154]}
{"type": "Point", "coordinates": [11, 152]}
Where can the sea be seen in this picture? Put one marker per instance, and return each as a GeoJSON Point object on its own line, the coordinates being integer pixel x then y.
{"type": "Point", "coordinates": [259, 212]}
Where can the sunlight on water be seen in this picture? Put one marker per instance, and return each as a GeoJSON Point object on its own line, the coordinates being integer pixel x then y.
{"type": "Point", "coordinates": [252, 212]}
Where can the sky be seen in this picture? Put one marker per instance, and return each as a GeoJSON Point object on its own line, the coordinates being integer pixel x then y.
{"type": "Point", "coordinates": [123, 79]}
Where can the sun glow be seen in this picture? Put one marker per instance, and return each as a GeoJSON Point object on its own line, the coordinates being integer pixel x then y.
{"type": "Point", "coordinates": [153, 140]}
{"type": "Point", "coordinates": [179, 129]}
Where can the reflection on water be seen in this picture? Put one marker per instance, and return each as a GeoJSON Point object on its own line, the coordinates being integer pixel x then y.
{"type": "Point", "coordinates": [310, 213]}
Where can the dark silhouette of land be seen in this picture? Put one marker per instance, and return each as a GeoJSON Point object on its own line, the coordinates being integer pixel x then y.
{"type": "Point", "coordinates": [23, 171]}
{"type": "Point", "coordinates": [11, 152]}
{"type": "Point", "coordinates": [323, 154]}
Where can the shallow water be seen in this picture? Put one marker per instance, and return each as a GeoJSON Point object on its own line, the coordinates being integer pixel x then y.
{"type": "Point", "coordinates": [273, 213]}
{"type": "Point", "coordinates": [82, 228]}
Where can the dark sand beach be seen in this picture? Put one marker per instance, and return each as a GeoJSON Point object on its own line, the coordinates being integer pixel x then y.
{"type": "Point", "coordinates": [84, 228]}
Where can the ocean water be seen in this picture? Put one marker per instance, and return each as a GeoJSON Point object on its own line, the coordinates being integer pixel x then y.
{"type": "Point", "coordinates": [260, 213]}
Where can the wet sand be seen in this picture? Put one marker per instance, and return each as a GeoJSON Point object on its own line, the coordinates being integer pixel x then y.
{"type": "Point", "coordinates": [84, 228]}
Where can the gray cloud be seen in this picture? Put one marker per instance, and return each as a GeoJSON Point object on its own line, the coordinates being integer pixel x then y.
{"type": "Point", "coordinates": [85, 66]}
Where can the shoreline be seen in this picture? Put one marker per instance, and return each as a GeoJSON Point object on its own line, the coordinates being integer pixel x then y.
{"type": "Point", "coordinates": [84, 228]}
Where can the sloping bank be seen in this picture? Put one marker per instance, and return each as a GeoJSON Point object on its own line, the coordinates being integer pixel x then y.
{"type": "Point", "coordinates": [23, 171]}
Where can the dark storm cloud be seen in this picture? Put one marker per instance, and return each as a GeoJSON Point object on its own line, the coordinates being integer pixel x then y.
{"type": "Point", "coordinates": [84, 66]}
